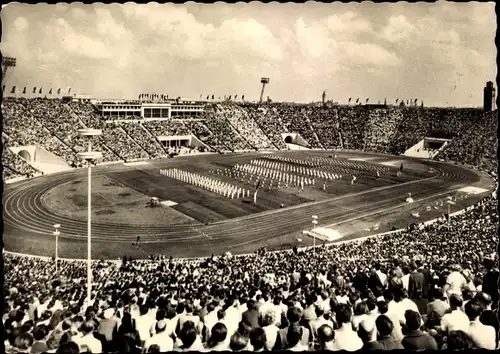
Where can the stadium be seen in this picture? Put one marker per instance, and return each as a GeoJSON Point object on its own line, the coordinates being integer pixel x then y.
{"type": "Point", "coordinates": [160, 224]}
{"type": "Point", "coordinates": [196, 221]}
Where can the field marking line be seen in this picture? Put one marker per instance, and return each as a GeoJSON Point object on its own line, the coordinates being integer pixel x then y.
{"type": "Point", "coordinates": [390, 208]}
{"type": "Point", "coordinates": [293, 207]}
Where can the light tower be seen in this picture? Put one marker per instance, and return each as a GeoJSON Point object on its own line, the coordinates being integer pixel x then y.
{"type": "Point", "coordinates": [264, 81]}
{"type": "Point", "coordinates": [89, 156]}
{"type": "Point", "coordinates": [7, 62]}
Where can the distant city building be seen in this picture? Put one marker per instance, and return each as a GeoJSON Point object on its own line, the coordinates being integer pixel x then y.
{"type": "Point", "coordinates": [489, 97]}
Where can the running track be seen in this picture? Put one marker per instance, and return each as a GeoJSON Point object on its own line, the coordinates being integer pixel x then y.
{"type": "Point", "coordinates": [25, 215]}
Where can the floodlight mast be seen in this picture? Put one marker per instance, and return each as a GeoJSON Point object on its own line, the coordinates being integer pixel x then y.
{"type": "Point", "coordinates": [264, 81]}
{"type": "Point", "coordinates": [89, 156]}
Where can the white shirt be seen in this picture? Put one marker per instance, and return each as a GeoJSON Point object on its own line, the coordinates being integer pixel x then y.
{"type": "Point", "coordinates": [162, 339]}
{"type": "Point", "coordinates": [143, 325]}
{"type": "Point", "coordinates": [456, 281]}
{"type": "Point", "coordinates": [482, 336]}
{"type": "Point", "coordinates": [455, 321]}
{"type": "Point", "coordinates": [405, 280]}
{"type": "Point", "coordinates": [271, 335]}
{"type": "Point", "coordinates": [93, 344]}
{"type": "Point", "coordinates": [347, 339]}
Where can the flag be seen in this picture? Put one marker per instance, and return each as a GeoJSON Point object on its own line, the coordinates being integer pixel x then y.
{"type": "Point", "coordinates": [3, 88]}
{"type": "Point", "coordinates": [200, 96]}
{"type": "Point", "coordinates": [59, 91]}
{"type": "Point", "coordinates": [13, 89]}
{"type": "Point", "coordinates": [69, 91]}
{"type": "Point", "coordinates": [34, 89]}
{"type": "Point", "coordinates": [50, 92]}
{"type": "Point", "coordinates": [367, 100]}
{"type": "Point", "coordinates": [397, 99]}
{"type": "Point", "coordinates": [235, 97]}
{"type": "Point", "coordinates": [258, 186]}
{"type": "Point", "coordinates": [243, 97]}
{"type": "Point", "coordinates": [213, 96]}
{"type": "Point", "coordinates": [208, 96]}
{"type": "Point", "coordinates": [349, 100]}
{"type": "Point", "coordinates": [24, 90]}
{"type": "Point", "coordinates": [40, 91]}
{"type": "Point", "coordinates": [357, 100]}
{"type": "Point", "coordinates": [229, 97]}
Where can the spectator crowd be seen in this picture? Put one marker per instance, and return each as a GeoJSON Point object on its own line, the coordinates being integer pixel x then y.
{"type": "Point", "coordinates": [428, 287]}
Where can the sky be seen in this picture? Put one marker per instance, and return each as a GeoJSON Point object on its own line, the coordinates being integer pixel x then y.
{"type": "Point", "coordinates": [440, 53]}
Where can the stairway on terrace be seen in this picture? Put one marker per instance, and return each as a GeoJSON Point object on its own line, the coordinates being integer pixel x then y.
{"type": "Point", "coordinates": [246, 126]}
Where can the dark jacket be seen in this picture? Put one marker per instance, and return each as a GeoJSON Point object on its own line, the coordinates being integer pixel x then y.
{"type": "Point", "coordinates": [490, 285]}
{"type": "Point", "coordinates": [251, 317]}
{"type": "Point", "coordinates": [418, 340]}
{"type": "Point", "coordinates": [428, 281]}
{"type": "Point", "coordinates": [415, 285]}
{"type": "Point", "coordinates": [387, 343]}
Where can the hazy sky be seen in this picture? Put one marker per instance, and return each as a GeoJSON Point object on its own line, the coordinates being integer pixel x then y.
{"type": "Point", "coordinates": [442, 53]}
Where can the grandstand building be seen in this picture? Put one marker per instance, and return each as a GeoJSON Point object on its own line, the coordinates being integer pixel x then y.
{"type": "Point", "coordinates": [148, 110]}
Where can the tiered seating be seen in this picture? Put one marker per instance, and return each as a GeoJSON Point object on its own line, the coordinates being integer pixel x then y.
{"type": "Point", "coordinates": [223, 131]}
{"type": "Point", "coordinates": [381, 128]}
{"type": "Point", "coordinates": [122, 143]}
{"type": "Point", "coordinates": [23, 127]}
{"type": "Point", "coordinates": [352, 123]}
{"type": "Point", "coordinates": [200, 130]}
{"type": "Point", "coordinates": [13, 164]}
{"type": "Point", "coordinates": [245, 125]}
{"type": "Point", "coordinates": [295, 120]}
{"type": "Point", "coordinates": [269, 122]}
{"type": "Point", "coordinates": [144, 138]}
{"type": "Point", "coordinates": [326, 124]}
{"type": "Point", "coordinates": [476, 145]}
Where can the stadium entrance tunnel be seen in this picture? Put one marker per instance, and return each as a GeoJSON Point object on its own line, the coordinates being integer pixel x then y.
{"type": "Point", "coordinates": [25, 155]}
{"type": "Point", "coordinates": [288, 139]}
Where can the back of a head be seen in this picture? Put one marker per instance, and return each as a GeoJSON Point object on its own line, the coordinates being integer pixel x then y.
{"type": "Point", "coordinates": [188, 334]}
{"type": "Point", "coordinates": [155, 348]}
{"type": "Point", "coordinates": [413, 320]}
{"type": "Point", "coordinates": [343, 314]}
{"type": "Point", "coordinates": [293, 335]}
{"type": "Point", "coordinates": [87, 327]}
{"type": "Point", "coordinates": [251, 305]}
{"type": "Point", "coordinates": [294, 314]}
{"type": "Point", "coordinates": [68, 348]}
{"type": "Point", "coordinates": [238, 342]}
{"type": "Point", "coordinates": [456, 301]}
{"type": "Point", "coordinates": [40, 332]}
{"type": "Point", "coordinates": [143, 309]}
{"type": "Point", "coordinates": [371, 304]}
{"type": "Point", "coordinates": [367, 330]}
{"type": "Point", "coordinates": [221, 314]}
{"type": "Point", "coordinates": [361, 309]}
{"type": "Point", "coordinates": [244, 328]}
{"type": "Point", "coordinates": [384, 325]}
{"type": "Point", "coordinates": [473, 309]}
{"type": "Point", "coordinates": [326, 333]}
{"type": "Point", "coordinates": [382, 307]}
{"type": "Point", "coordinates": [268, 318]}
{"type": "Point", "coordinates": [458, 340]}
{"type": "Point", "coordinates": [218, 333]}
{"type": "Point", "coordinates": [258, 338]}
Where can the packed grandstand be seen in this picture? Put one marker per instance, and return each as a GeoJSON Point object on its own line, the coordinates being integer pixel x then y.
{"type": "Point", "coordinates": [432, 287]}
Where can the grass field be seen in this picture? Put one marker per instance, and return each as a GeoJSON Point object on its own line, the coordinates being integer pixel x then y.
{"type": "Point", "coordinates": [119, 197]}
{"type": "Point", "coordinates": [111, 202]}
